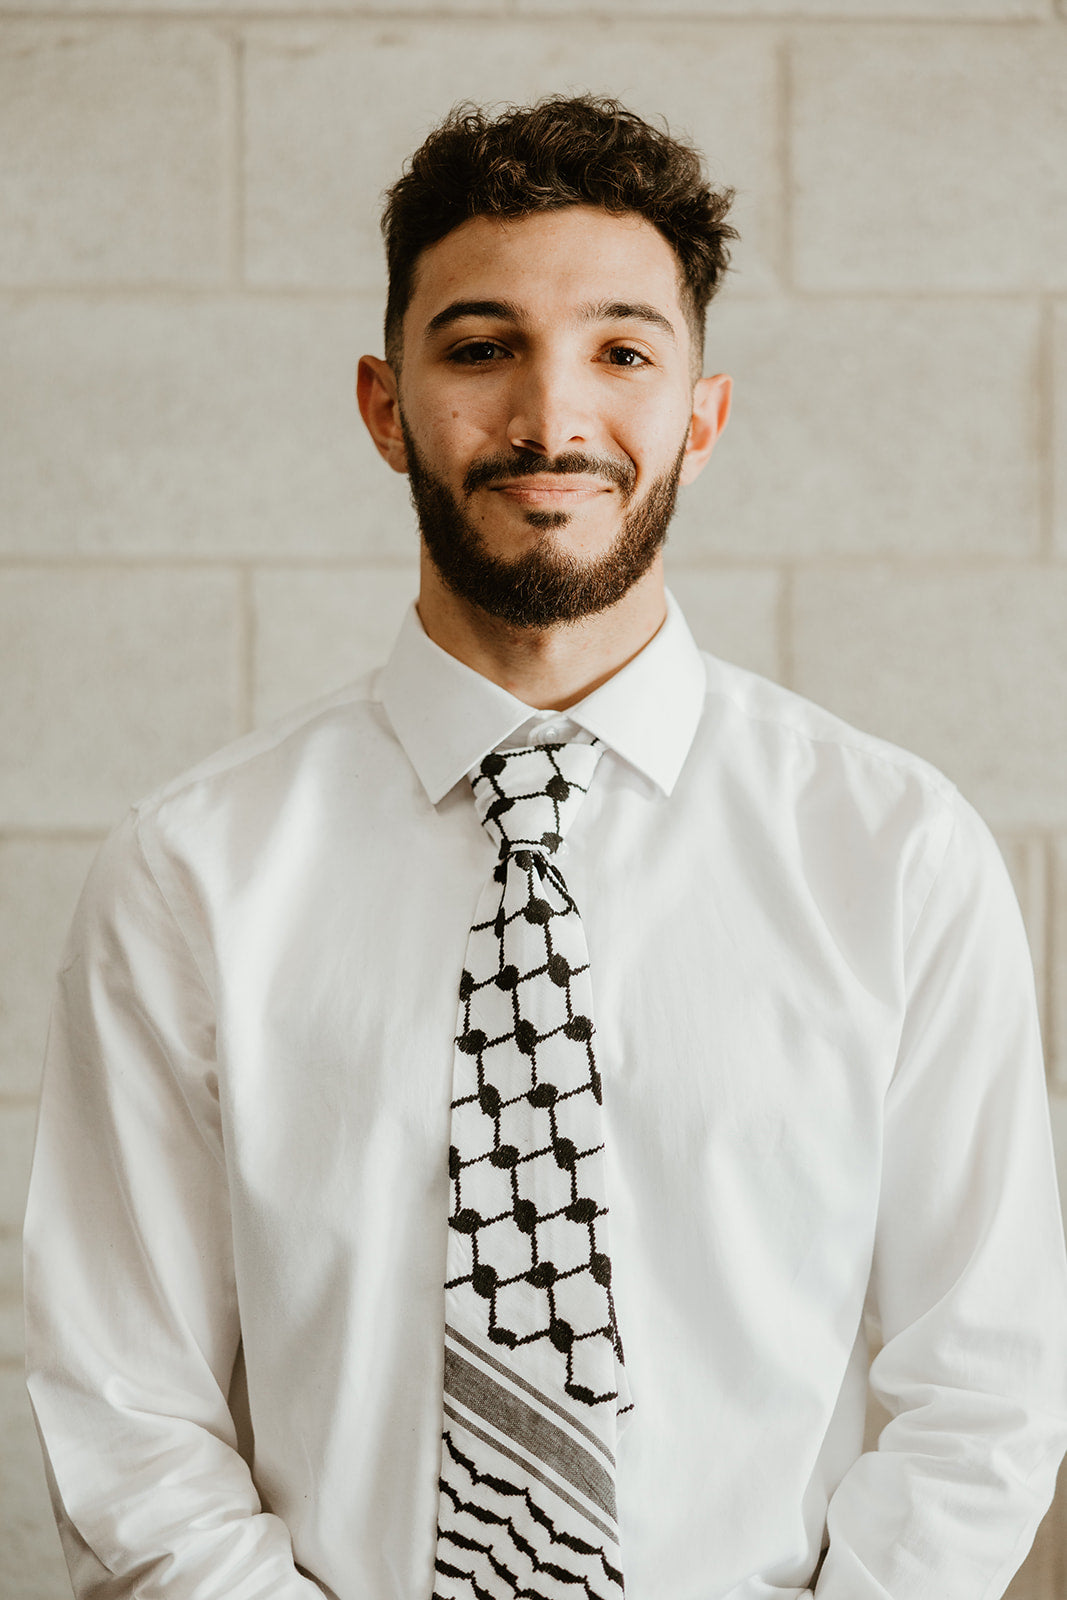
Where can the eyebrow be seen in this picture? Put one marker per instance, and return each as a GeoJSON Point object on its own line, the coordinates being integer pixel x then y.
{"type": "Point", "coordinates": [629, 311]}
{"type": "Point", "coordinates": [499, 310]}
{"type": "Point", "coordinates": [508, 311]}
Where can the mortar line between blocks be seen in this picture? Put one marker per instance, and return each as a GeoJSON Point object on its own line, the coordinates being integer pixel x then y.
{"type": "Point", "coordinates": [236, 163]}
{"type": "Point", "coordinates": [12, 834]}
{"type": "Point", "coordinates": [342, 295]}
{"type": "Point", "coordinates": [738, 18]}
{"type": "Point", "coordinates": [1036, 846]}
{"type": "Point", "coordinates": [246, 651]}
{"type": "Point", "coordinates": [78, 564]}
{"type": "Point", "coordinates": [785, 627]}
{"type": "Point", "coordinates": [1045, 427]}
{"type": "Point", "coordinates": [515, 11]}
{"type": "Point", "coordinates": [1048, 846]}
{"type": "Point", "coordinates": [1057, 1075]}
{"type": "Point", "coordinates": [294, 17]}
{"type": "Point", "coordinates": [787, 195]}
{"type": "Point", "coordinates": [903, 563]}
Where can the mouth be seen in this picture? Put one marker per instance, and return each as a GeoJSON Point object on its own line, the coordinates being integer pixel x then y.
{"type": "Point", "coordinates": [551, 491]}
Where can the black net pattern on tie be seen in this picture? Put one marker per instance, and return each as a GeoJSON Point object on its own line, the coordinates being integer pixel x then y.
{"type": "Point", "coordinates": [504, 1189]}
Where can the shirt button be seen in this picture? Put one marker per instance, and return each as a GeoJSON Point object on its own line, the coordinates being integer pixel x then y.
{"type": "Point", "coordinates": [551, 733]}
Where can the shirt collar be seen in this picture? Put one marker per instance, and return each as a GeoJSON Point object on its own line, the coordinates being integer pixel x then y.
{"type": "Point", "coordinates": [447, 716]}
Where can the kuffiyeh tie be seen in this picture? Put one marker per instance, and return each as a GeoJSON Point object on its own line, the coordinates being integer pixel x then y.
{"type": "Point", "coordinates": [534, 1383]}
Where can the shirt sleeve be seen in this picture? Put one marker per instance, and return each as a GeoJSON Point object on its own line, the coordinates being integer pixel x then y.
{"type": "Point", "coordinates": [131, 1312]}
{"type": "Point", "coordinates": [969, 1282]}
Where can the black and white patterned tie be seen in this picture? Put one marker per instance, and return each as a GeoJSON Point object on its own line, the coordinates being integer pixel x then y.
{"type": "Point", "coordinates": [534, 1385]}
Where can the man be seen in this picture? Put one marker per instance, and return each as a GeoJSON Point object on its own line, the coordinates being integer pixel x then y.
{"type": "Point", "coordinates": [573, 1293]}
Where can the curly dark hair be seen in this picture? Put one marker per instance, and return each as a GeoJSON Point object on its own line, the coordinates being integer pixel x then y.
{"type": "Point", "coordinates": [585, 150]}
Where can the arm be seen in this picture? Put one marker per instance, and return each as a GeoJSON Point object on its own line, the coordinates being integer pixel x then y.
{"type": "Point", "coordinates": [132, 1323]}
{"type": "Point", "coordinates": [968, 1278]}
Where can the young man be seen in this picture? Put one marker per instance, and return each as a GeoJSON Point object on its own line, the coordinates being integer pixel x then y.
{"type": "Point", "coordinates": [574, 1292]}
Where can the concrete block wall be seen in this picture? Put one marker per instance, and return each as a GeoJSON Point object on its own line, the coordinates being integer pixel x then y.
{"type": "Point", "coordinates": [194, 535]}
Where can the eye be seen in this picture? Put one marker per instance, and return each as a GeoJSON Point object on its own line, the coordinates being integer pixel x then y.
{"type": "Point", "coordinates": [478, 353]}
{"type": "Point", "coordinates": [624, 355]}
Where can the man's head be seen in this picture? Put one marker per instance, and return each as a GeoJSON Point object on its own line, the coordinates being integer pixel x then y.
{"type": "Point", "coordinates": [549, 275]}
{"type": "Point", "coordinates": [582, 151]}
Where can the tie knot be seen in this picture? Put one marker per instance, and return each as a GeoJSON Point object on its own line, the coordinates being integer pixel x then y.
{"type": "Point", "coordinates": [528, 798]}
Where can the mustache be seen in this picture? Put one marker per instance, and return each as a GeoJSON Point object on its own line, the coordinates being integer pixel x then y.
{"type": "Point", "coordinates": [525, 463]}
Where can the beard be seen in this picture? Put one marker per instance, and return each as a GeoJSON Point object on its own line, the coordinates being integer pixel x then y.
{"type": "Point", "coordinates": [545, 586]}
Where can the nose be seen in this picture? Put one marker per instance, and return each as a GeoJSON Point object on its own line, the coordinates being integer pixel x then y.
{"type": "Point", "coordinates": [548, 413]}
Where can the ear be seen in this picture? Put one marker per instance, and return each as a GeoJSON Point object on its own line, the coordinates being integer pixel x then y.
{"type": "Point", "coordinates": [376, 394]}
{"type": "Point", "coordinates": [711, 408]}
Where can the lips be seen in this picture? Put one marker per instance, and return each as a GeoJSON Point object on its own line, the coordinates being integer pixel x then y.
{"type": "Point", "coordinates": [562, 488]}
{"type": "Point", "coordinates": [523, 474]}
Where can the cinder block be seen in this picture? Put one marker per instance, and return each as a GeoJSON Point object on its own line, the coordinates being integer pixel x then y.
{"type": "Point", "coordinates": [1027, 860]}
{"type": "Point", "coordinates": [34, 1568]}
{"type": "Point", "coordinates": [866, 428]}
{"type": "Point", "coordinates": [39, 884]}
{"type": "Point", "coordinates": [732, 613]}
{"type": "Point", "coordinates": [333, 112]}
{"type": "Point", "coordinates": [969, 669]}
{"type": "Point", "coordinates": [192, 428]}
{"type": "Point", "coordinates": [17, 1123]}
{"type": "Point", "coordinates": [114, 681]}
{"type": "Point", "coordinates": [316, 630]}
{"type": "Point", "coordinates": [112, 148]}
{"type": "Point", "coordinates": [931, 158]}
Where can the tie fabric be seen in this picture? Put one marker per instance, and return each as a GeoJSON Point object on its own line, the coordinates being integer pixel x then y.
{"type": "Point", "coordinates": [535, 1391]}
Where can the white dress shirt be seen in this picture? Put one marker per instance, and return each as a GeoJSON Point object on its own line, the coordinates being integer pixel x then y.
{"type": "Point", "coordinates": [823, 1095]}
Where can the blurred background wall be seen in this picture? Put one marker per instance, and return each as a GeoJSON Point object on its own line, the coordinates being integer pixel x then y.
{"type": "Point", "coordinates": [195, 535]}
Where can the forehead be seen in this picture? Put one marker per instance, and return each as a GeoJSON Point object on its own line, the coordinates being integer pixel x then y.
{"type": "Point", "coordinates": [548, 263]}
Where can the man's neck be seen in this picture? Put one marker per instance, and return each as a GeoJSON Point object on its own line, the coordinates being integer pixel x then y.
{"type": "Point", "coordinates": [550, 668]}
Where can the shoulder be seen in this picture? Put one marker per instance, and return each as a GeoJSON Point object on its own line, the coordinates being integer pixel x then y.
{"type": "Point", "coordinates": [787, 726]}
{"type": "Point", "coordinates": [281, 747]}
{"type": "Point", "coordinates": [835, 798]}
{"type": "Point", "coordinates": [817, 763]}
{"type": "Point", "coordinates": [249, 800]}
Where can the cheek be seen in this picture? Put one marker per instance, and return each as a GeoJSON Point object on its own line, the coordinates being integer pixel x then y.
{"type": "Point", "coordinates": [652, 420]}
{"type": "Point", "coordinates": [654, 445]}
{"type": "Point", "coordinates": [457, 429]}
{"type": "Point", "coordinates": [449, 440]}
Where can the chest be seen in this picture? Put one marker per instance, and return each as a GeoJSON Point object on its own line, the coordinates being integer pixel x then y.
{"type": "Point", "coordinates": [743, 1045]}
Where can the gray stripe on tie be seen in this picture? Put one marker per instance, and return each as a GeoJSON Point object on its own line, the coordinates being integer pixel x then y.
{"type": "Point", "coordinates": [528, 1428]}
{"type": "Point", "coordinates": [531, 1471]}
{"type": "Point", "coordinates": [521, 1383]}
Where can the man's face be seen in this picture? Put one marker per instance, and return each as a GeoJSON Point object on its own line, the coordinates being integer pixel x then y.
{"type": "Point", "coordinates": [545, 401]}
